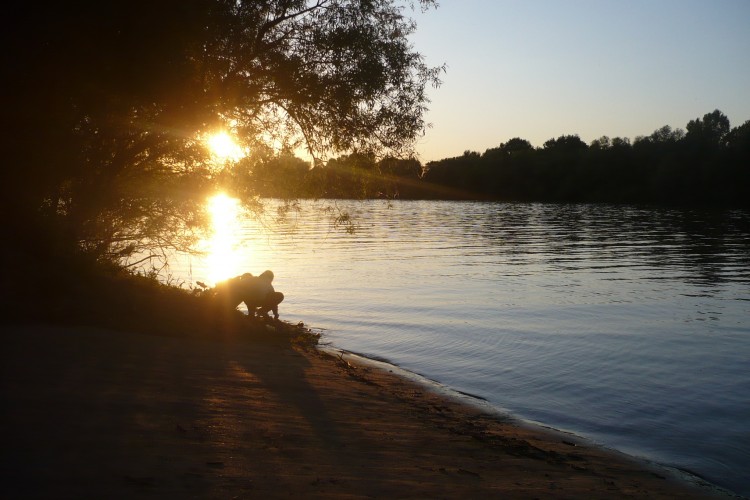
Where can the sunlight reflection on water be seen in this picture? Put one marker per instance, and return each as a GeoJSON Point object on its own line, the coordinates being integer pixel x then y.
{"type": "Point", "coordinates": [628, 325]}
{"type": "Point", "coordinates": [225, 246]}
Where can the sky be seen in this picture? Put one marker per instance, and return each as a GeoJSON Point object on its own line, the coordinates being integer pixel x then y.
{"type": "Point", "coordinates": [539, 69]}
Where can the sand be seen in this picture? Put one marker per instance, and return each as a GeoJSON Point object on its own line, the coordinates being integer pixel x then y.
{"type": "Point", "coordinates": [93, 413]}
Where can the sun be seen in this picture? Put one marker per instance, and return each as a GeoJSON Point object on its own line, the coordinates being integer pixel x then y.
{"type": "Point", "coordinates": [224, 148]}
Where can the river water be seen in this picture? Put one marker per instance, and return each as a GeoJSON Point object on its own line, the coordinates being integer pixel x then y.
{"type": "Point", "coordinates": [629, 326]}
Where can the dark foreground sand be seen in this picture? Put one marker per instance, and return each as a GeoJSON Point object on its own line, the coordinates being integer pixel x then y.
{"type": "Point", "coordinates": [100, 414]}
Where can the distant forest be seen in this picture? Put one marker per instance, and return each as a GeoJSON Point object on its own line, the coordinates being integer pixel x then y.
{"type": "Point", "coordinates": [707, 163]}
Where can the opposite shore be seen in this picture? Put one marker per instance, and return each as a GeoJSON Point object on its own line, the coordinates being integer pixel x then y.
{"type": "Point", "coordinates": [92, 412]}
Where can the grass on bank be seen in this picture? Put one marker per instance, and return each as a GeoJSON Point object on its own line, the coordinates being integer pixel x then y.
{"type": "Point", "coordinates": [76, 293]}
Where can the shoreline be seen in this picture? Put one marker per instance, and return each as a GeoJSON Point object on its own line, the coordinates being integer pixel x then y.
{"type": "Point", "coordinates": [119, 414]}
{"type": "Point", "coordinates": [482, 404]}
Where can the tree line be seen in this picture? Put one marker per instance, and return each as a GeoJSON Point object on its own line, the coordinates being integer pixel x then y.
{"type": "Point", "coordinates": [708, 163]}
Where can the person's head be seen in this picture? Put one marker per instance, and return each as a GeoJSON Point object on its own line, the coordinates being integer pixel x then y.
{"type": "Point", "coordinates": [267, 275]}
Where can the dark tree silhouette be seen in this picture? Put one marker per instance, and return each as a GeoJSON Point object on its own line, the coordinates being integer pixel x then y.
{"type": "Point", "coordinates": [666, 166]}
{"type": "Point", "coordinates": [710, 132]}
{"type": "Point", "coordinates": [516, 144]}
{"type": "Point", "coordinates": [108, 102]}
{"type": "Point", "coordinates": [706, 165]}
{"type": "Point", "coordinates": [565, 143]}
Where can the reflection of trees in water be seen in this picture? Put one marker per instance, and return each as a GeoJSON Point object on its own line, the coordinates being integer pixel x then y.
{"type": "Point", "coordinates": [709, 247]}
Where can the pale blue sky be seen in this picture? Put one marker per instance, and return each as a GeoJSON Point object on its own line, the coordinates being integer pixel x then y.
{"type": "Point", "coordinates": [537, 69]}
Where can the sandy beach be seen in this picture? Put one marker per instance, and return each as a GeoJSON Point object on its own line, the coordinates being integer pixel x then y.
{"type": "Point", "coordinates": [91, 413]}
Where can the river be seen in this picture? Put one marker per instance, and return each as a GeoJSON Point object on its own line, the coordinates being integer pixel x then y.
{"type": "Point", "coordinates": [626, 325]}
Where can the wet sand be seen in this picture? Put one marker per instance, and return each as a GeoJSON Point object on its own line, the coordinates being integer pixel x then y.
{"type": "Point", "coordinates": [93, 413]}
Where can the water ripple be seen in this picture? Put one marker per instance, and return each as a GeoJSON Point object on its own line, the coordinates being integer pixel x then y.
{"type": "Point", "coordinates": [629, 325]}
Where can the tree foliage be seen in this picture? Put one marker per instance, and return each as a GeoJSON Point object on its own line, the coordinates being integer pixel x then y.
{"type": "Point", "coordinates": [109, 102]}
{"type": "Point", "coordinates": [710, 132]}
{"type": "Point", "coordinates": [708, 164]}
{"type": "Point", "coordinates": [668, 166]}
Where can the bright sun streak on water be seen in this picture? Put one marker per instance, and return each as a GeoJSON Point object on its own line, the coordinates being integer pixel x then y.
{"type": "Point", "coordinates": [223, 246]}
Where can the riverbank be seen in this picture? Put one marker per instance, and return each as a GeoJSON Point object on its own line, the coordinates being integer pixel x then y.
{"type": "Point", "coordinates": [97, 413]}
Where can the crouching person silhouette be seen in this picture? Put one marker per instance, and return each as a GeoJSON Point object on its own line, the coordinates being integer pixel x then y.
{"type": "Point", "coordinates": [255, 291]}
{"type": "Point", "coordinates": [259, 296]}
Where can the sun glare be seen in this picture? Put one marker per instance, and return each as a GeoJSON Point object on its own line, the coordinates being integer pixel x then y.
{"type": "Point", "coordinates": [223, 252]}
{"type": "Point", "coordinates": [224, 148]}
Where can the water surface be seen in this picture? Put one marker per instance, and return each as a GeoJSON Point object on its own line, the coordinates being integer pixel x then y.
{"type": "Point", "coordinates": [629, 326]}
